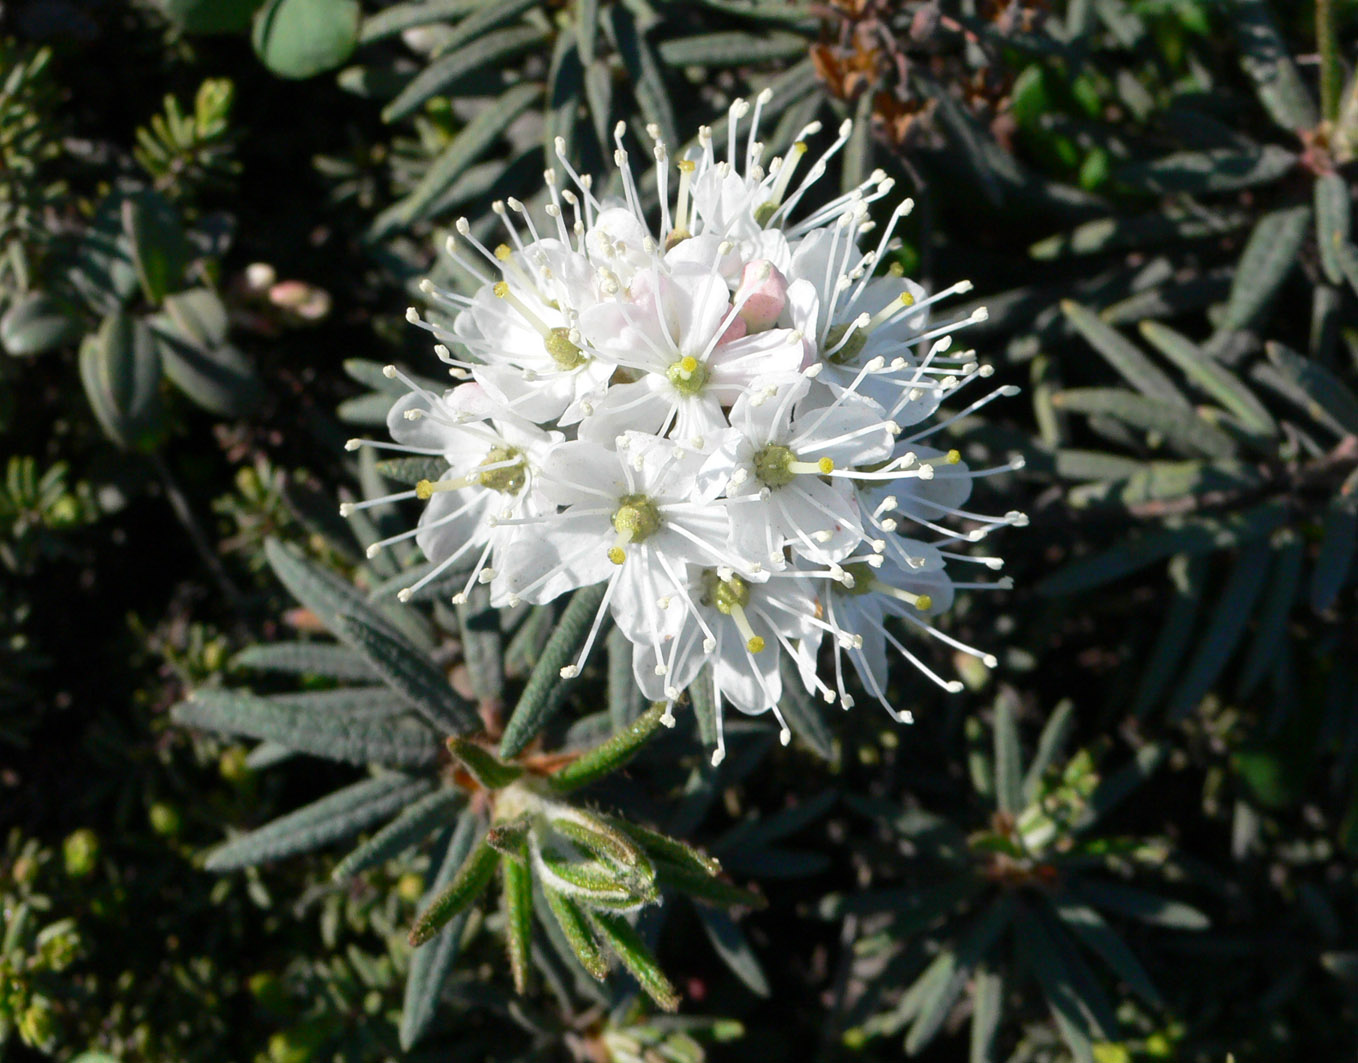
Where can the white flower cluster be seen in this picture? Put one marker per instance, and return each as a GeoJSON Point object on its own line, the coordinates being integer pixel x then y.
{"type": "Point", "coordinates": [713, 419]}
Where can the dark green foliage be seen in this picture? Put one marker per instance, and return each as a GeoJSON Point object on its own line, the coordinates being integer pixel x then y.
{"type": "Point", "coordinates": [1138, 844]}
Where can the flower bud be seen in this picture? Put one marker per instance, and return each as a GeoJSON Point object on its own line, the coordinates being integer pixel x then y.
{"type": "Point", "coordinates": [761, 296]}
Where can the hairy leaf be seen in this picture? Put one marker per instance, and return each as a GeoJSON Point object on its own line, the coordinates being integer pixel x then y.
{"type": "Point", "coordinates": [339, 815]}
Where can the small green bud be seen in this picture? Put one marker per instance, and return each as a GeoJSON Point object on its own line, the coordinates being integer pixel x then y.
{"type": "Point", "coordinates": [165, 819]}
{"type": "Point", "coordinates": [80, 851]}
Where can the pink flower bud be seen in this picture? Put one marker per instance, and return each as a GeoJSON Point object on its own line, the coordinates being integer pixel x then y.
{"type": "Point", "coordinates": [734, 331]}
{"type": "Point", "coordinates": [762, 295]}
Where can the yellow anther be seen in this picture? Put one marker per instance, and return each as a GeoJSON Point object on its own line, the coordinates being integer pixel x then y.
{"type": "Point", "coordinates": [503, 252]}
{"type": "Point", "coordinates": [616, 555]}
{"type": "Point", "coordinates": [755, 644]}
{"type": "Point", "coordinates": [923, 603]}
{"type": "Point", "coordinates": [424, 490]}
{"type": "Point", "coordinates": [826, 466]}
{"type": "Point", "coordinates": [501, 289]}
{"type": "Point", "coordinates": [953, 457]}
{"type": "Point", "coordinates": [800, 147]}
{"type": "Point", "coordinates": [907, 299]}
{"type": "Point", "coordinates": [687, 165]}
{"type": "Point", "coordinates": [688, 363]}
{"type": "Point", "coordinates": [895, 270]}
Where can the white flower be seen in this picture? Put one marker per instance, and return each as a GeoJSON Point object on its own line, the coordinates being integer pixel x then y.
{"type": "Point", "coordinates": [633, 517]}
{"type": "Point", "coordinates": [683, 338]}
{"type": "Point", "coordinates": [721, 416]}
{"type": "Point", "coordinates": [739, 629]}
{"type": "Point", "coordinates": [782, 452]}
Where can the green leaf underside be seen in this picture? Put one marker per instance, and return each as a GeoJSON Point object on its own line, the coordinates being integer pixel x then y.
{"type": "Point", "coordinates": [339, 815]}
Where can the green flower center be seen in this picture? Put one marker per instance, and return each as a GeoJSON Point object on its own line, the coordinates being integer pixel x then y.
{"type": "Point", "coordinates": [637, 518]}
{"type": "Point", "coordinates": [725, 595]}
{"type": "Point", "coordinates": [863, 577]}
{"type": "Point", "coordinates": [773, 465]}
{"type": "Point", "coordinates": [507, 479]}
{"type": "Point", "coordinates": [851, 349]}
{"type": "Point", "coordinates": [688, 375]}
{"type": "Point", "coordinates": [564, 353]}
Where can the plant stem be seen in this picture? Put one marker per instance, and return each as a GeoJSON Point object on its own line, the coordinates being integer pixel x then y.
{"type": "Point", "coordinates": [1330, 69]}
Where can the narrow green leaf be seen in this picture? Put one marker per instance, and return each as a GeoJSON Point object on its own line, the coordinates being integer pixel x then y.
{"type": "Point", "coordinates": [431, 965]}
{"type": "Point", "coordinates": [667, 850]}
{"type": "Point", "coordinates": [600, 839]}
{"type": "Point", "coordinates": [1233, 610]}
{"type": "Point", "coordinates": [1171, 225]}
{"type": "Point", "coordinates": [1008, 757]}
{"type": "Point", "coordinates": [461, 893]}
{"type": "Point", "coordinates": [1270, 255]}
{"type": "Point", "coordinates": [338, 815]}
{"type": "Point", "coordinates": [625, 699]}
{"type": "Point", "coordinates": [593, 883]}
{"type": "Point", "coordinates": [987, 1007]}
{"type": "Point", "coordinates": [360, 702]}
{"type": "Point", "coordinates": [1176, 629]}
{"type": "Point", "coordinates": [536, 703]}
{"type": "Point", "coordinates": [406, 831]}
{"type": "Point", "coordinates": [463, 65]}
{"type": "Point", "coordinates": [517, 906]}
{"type": "Point", "coordinates": [413, 469]}
{"type": "Point", "coordinates": [470, 144]}
{"type": "Point", "coordinates": [483, 766]}
{"type": "Point", "coordinates": [1333, 228]}
{"type": "Point", "coordinates": [1270, 632]}
{"type": "Point", "coordinates": [612, 755]}
{"type": "Point", "coordinates": [1043, 958]}
{"type": "Point", "coordinates": [1050, 745]}
{"type": "Point", "coordinates": [321, 734]}
{"type": "Point", "coordinates": [648, 77]}
{"type": "Point", "coordinates": [1217, 170]}
{"type": "Point", "coordinates": [509, 838]}
{"type": "Point", "coordinates": [1187, 432]}
{"type": "Point", "coordinates": [482, 644]}
{"type": "Point", "coordinates": [1209, 374]}
{"type": "Point", "coordinates": [1324, 392]}
{"type": "Point", "coordinates": [980, 766]}
{"type": "Point", "coordinates": [1192, 535]}
{"type": "Point", "coordinates": [705, 708]}
{"type": "Point", "coordinates": [1338, 544]}
{"type": "Point", "coordinates": [1135, 367]}
{"type": "Point", "coordinates": [1265, 57]}
{"type": "Point", "coordinates": [322, 591]}
{"type": "Point", "coordinates": [578, 933]}
{"type": "Point", "coordinates": [1142, 906]}
{"type": "Point", "coordinates": [1098, 936]}
{"type": "Point", "coordinates": [532, 634]}
{"type": "Point", "coordinates": [587, 28]}
{"type": "Point", "coordinates": [411, 675]}
{"type": "Point", "coordinates": [304, 658]}
{"type": "Point", "coordinates": [732, 48]}
{"type": "Point", "coordinates": [734, 949]}
{"type": "Point", "coordinates": [626, 944]}
{"type": "Point", "coordinates": [408, 16]}
{"type": "Point", "coordinates": [944, 989]}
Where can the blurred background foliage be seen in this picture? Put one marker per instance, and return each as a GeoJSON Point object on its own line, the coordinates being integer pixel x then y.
{"type": "Point", "coordinates": [1134, 841]}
